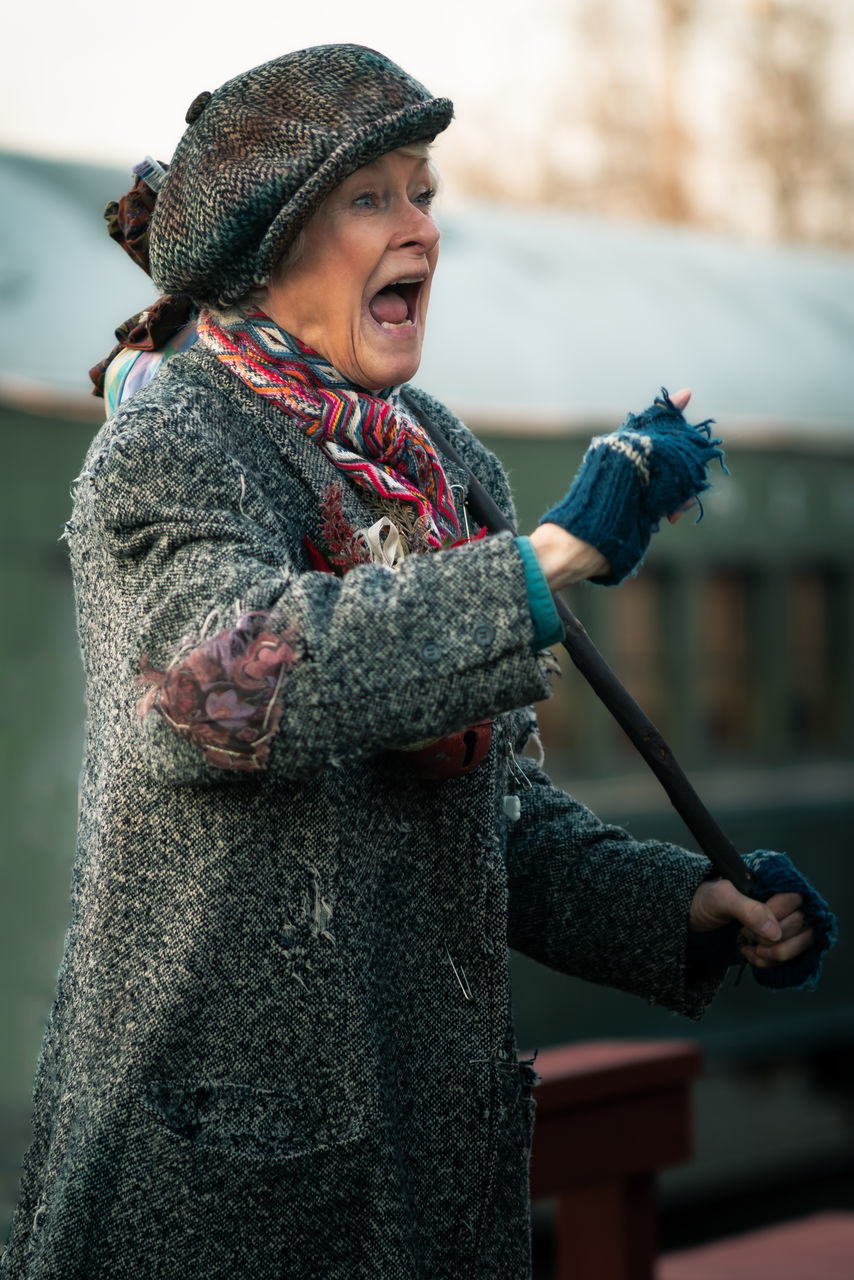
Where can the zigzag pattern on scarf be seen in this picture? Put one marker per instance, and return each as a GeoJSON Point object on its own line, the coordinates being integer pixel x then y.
{"type": "Point", "coordinates": [371, 437]}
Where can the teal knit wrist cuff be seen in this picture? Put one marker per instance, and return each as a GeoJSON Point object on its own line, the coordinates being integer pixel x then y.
{"type": "Point", "coordinates": [548, 628]}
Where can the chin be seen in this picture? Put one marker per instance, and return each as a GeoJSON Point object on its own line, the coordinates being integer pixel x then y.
{"type": "Point", "coordinates": [377, 374]}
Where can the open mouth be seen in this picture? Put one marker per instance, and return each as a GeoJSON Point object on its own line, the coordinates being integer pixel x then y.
{"type": "Point", "coordinates": [396, 305]}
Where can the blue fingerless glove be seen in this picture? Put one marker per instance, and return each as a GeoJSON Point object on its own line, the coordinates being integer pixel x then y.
{"type": "Point", "coordinates": [630, 480]}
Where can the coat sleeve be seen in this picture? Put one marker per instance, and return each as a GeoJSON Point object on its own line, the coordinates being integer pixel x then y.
{"type": "Point", "coordinates": [253, 663]}
{"type": "Point", "coordinates": [587, 900]}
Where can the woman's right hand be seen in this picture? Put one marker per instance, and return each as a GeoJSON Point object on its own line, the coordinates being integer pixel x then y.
{"type": "Point", "coordinates": [566, 558]}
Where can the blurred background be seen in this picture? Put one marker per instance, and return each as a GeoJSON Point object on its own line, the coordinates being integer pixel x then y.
{"type": "Point", "coordinates": [636, 193]}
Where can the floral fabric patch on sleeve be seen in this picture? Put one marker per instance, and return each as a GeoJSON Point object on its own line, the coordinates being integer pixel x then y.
{"type": "Point", "coordinates": [224, 694]}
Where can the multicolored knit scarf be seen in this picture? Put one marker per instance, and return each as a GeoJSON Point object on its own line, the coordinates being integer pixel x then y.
{"type": "Point", "coordinates": [370, 436]}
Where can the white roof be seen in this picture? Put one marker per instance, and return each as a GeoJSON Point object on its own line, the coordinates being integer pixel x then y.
{"type": "Point", "coordinates": [536, 317]}
{"type": "Point", "coordinates": [64, 284]}
{"type": "Point", "coordinates": [585, 319]}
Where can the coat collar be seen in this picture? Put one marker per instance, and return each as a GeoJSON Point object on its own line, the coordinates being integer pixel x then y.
{"type": "Point", "coordinates": [303, 457]}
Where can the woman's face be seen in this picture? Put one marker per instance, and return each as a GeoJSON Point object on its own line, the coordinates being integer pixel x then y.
{"type": "Point", "coordinates": [358, 293]}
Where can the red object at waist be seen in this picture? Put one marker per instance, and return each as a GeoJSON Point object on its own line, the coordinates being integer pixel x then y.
{"type": "Point", "coordinates": [454, 755]}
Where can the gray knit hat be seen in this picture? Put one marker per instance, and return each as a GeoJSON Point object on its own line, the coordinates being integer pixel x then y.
{"type": "Point", "coordinates": [262, 152]}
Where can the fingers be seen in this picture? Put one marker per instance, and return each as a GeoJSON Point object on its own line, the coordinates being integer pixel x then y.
{"type": "Point", "coordinates": [718, 902]}
{"type": "Point", "coordinates": [764, 957]}
{"type": "Point", "coordinates": [760, 922]}
{"type": "Point", "coordinates": [782, 904]}
{"type": "Point", "coordinates": [676, 516]}
{"type": "Point", "coordinates": [795, 938]}
{"type": "Point", "coordinates": [773, 932]}
{"type": "Point", "coordinates": [784, 907]}
{"type": "Point", "coordinates": [680, 399]}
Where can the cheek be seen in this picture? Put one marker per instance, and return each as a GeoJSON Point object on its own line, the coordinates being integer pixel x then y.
{"type": "Point", "coordinates": [340, 310]}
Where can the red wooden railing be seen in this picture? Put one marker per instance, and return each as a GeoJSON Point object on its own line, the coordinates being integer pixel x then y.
{"type": "Point", "coordinates": [609, 1116]}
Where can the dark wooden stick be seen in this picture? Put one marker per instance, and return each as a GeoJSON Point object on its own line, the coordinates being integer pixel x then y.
{"type": "Point", "coordinates": [634, 722]}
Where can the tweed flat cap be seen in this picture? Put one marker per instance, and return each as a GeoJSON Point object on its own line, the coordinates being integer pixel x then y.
{"type": "Point", "coordinates": [261, 153]}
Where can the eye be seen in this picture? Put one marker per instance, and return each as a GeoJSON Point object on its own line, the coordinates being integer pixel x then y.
{"type": "Point", "coordinates": [425, 198]}
{"type": "Point", "coordinates": [365, 200]}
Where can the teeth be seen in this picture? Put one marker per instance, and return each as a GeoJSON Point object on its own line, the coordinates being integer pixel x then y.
{"type": "Point", "coordinates": [389, 324]}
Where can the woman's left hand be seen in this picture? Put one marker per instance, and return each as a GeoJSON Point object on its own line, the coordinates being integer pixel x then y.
{"type": "Point", "coordinates": [773, 932]}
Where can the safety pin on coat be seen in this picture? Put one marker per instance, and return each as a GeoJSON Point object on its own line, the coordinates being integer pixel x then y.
{"type": "Point", "coordinates": [460, 975]}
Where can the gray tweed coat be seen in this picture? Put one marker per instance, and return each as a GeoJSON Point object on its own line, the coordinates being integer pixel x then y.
{"type": "Point", "coordinates": [282, 1044]}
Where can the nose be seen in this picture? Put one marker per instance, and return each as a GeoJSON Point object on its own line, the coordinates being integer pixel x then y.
{"type": "Point", "coordinates": [415, 229]}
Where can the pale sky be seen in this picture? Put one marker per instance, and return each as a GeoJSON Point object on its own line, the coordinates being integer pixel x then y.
{"type": "Point", "coordinates": [79, 78]}
{"type": "Point", "coordinates": [529, 78]}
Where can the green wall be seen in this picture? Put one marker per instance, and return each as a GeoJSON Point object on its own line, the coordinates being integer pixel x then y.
{"type": "Point", "coordinates": [42, 724]}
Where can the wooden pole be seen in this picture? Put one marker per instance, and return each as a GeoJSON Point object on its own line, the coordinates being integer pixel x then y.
{"type": "Point", "coordinates": [637, 726]}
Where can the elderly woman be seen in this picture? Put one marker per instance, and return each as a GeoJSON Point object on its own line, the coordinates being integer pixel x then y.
{"type": "Point", "coordinates": [282, 1044]}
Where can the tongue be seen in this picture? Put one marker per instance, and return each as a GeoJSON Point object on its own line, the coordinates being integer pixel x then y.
{"type": "Point", "coordinates": [389, 306]}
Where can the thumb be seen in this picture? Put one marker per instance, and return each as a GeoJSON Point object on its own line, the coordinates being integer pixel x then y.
{"type": "Point", "coordinates": [757, 919]}
{"type": "Point", "coordinates": [718, 902]}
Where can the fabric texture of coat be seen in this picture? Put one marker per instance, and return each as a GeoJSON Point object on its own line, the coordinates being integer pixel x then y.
{"type": "Point", "coordinates": [282, 1046]}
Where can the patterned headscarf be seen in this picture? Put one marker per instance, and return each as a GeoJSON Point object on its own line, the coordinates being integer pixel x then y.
{"type": "Point", "coordinates": [368, 435]}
